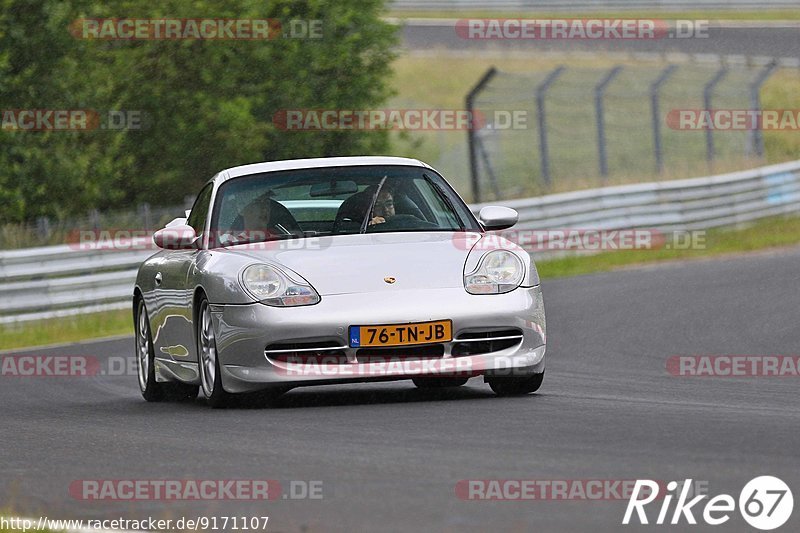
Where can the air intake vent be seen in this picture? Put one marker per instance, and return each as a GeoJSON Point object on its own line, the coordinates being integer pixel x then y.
{"type": "Point", "coordinates": [325, 352]}
{"type": "Point", "coordinates": [302, 346]}
{"type": "Point", "coordinates": [489, 334]}
{"type": "Point", "coordinates": [485, 342]}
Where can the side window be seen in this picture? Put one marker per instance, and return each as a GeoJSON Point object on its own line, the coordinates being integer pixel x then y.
{"type": "Point", "coordinates": [199, 215]}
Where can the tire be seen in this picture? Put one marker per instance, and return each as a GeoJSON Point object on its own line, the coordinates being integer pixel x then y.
{"type": "Point", "coordinates": [504, 386]}
{"type": "Point", "coordinates": [208, 360]}
{"type": "Point", "coordinates": [438, 383]}
{"type": "Point", "coordinates": [151, 390]}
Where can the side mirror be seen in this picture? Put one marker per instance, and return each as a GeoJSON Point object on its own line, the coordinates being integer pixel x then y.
{"type": "Point", "coordinates": [178, 237]}
{"type": "Point", "coordinates": [494, 217]}
{"type": "Point", "coordinates": [176, 222]}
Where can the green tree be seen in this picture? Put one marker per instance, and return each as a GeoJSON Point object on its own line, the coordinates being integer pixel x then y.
{"type": "Point", "coordinates": [209, 104]}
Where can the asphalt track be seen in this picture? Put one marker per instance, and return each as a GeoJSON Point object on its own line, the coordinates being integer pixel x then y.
{"type": "Point", "coordinates": [771, 39]}
{"type": "Point", "coordinates": [389, 456]}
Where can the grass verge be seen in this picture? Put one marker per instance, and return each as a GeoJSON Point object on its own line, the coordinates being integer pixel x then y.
{"type": "Point", "coordinates": [68, 329]}
{"type": "Point", "coordinates": [768, 233]}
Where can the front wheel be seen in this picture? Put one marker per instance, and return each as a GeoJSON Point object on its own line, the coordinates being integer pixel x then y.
{"type": "Point", "coordinates": [151, 390]}
{"type": "Point", "coordinates": [516, 386]}
{"type": "Point", "coordinates": [210, 375]}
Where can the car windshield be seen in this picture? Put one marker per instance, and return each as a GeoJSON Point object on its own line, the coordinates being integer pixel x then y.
{"type": "Point", "coordinates": [336, 201]}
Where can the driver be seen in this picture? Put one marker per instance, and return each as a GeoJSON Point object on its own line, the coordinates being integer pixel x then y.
{"type": "Point", "coordinates": [256, 214]}
{"type": "Point", "coordinates": [384, 208]}
{"type": "Point", "coordinates": [261, 218]}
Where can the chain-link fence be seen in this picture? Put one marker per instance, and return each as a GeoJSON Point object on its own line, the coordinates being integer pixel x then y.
{"type": "Point", "coordinates": [570, 128]}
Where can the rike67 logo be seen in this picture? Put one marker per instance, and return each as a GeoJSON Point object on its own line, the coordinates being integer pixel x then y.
{"type": "Point", "coordinates": [765, 503]}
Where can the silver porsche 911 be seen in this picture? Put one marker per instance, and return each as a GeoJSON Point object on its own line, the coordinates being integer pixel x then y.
{"type": "Point", "coordinates": [335, 270]}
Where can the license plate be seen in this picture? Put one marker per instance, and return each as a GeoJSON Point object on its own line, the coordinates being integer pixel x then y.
{"type": "Point", "coordinates": [401, 334]}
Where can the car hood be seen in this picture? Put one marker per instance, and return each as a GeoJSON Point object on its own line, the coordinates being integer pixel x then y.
{"type": "Point", "coordinates": [346, 264]}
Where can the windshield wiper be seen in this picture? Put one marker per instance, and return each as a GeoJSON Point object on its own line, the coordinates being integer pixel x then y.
{"type": "Point", "coordinates": [372, 205]}
{"type": "Point", "coordinates": [447, 201]}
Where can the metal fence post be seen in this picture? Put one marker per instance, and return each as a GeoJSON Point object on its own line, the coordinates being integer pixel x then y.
{"type": "Point", "coordinates": [599, 90]}
{"type": "Point", "coordinates": [471, 140]}
{"type": "Point", "coordinates": [144, 210]}
{"type": "Point", "coordinates": [654, 88]}
{"type": "Point", "coordinates": [708, 92]}
{"type": "Point", "coordinates": [43, 228]}
{"type": "Point", "coordinates": [94, 219]}
{"type": "Point", "coordinates": [757, 139]}
{"type": "Point", "coordinates": [541, 91]}
{"type": "Point", "coordinates": [487, 163]}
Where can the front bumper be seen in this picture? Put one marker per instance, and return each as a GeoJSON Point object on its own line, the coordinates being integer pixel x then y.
{"type": "Point", "coordinates": [245, 331]}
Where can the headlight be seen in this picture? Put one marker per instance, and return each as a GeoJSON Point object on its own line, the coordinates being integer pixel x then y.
{"type": "Point", "coordinates": [272, 286]}
{"type": "Point", "coordinates": [497, 272]}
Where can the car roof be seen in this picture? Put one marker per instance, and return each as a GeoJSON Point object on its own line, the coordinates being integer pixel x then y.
{"type": "Point", "coordinates": [316, 162]}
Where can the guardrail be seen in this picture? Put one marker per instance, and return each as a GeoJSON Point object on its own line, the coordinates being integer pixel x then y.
{"type": "Point", "coordinates": [52, 281]}
{"type": "Point", "coordinates": [63, 280]}
{"type": "Point", "coordinates": [697, 203]}
{"type": "Point", "coordinates": [591, 6]}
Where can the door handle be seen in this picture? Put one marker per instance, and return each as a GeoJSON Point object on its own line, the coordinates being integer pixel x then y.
{"type": "Point", "coordinates": [158, 278]}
